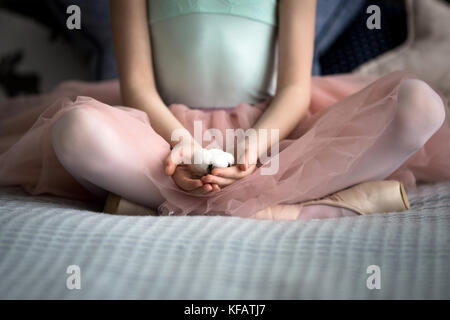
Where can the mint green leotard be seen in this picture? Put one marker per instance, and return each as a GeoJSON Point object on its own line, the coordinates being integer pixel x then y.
{"type": "Point", "coordinates": [214, 53]}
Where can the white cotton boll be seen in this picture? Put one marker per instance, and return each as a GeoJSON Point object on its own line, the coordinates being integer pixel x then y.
{"type": "Point", "coordinates": [202, 160]}
{"type": "Point", "coordinates": [221, 159]}
{"type": "Point", "coordinates": [207, 159]}
{"type": "Point", "coordinates": [229, 158]}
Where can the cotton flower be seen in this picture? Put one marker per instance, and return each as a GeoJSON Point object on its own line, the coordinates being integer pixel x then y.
{"type": "Point", "coordinates": [207, 159]}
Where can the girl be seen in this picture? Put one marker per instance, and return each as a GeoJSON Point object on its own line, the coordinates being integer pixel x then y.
{"type": "Point", "coordinates": [229, 64]}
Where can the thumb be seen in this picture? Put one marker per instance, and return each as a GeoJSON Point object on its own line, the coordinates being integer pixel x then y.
{"type": "Point", "coordinates": [170, 166]}
{"type": "Point", "coordinates": [243, 166]}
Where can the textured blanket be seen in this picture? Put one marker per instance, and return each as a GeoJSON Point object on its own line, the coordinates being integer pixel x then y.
{"type": "Point", "coordinates": [220, 257]}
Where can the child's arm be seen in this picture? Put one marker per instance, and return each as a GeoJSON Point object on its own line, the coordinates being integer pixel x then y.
{"type": "Point", "coordinates": [134, 61]}
{"type": "Point", "coordinates": [137, 83]}
{"type": "Point", "coordinates": [296, 45]}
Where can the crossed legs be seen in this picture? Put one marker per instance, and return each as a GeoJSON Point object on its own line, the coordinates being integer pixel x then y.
{"type": "Point", "coordinates": [103, 155]}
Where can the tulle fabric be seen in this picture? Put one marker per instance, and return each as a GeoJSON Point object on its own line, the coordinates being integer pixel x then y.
{"type": "Point", "coordinates": [346, 116]}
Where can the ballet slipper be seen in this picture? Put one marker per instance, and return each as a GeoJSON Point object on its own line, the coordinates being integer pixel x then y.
{"type": "Point", "coordinates": [280, 212]}
{"type": "Point", "coordinates": [115, 204]}
{"type": "Point", "coordinates": [364, 198]}
{"type": "Point", "coordinates": [369, 197]}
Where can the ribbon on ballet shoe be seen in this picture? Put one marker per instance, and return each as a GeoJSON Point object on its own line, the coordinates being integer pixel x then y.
{"type": "Point", "coordinates": [115, 204]}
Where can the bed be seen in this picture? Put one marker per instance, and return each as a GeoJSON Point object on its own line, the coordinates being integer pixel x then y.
{"type": "Point", "coordinates": [123, 257]}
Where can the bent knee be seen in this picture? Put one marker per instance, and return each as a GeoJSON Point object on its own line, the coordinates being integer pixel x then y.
{"type": "Point", "coordinates": [420, 105]}
{"type": "Point", "coordinates": [72, 131]}
{"type": "Point", "coordinates": [420, 113]}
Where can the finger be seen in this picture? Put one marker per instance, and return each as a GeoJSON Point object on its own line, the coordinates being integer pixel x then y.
{"type": "Point", "coordinates": [243, 166]}
{"type": "Point", "coordinates": [222, 182]}
{"type": "Point", "coordinates": [216, 187]}
{"type": "Point", "coordinates": [191, 184]}
{"type": "Point", "coordinates": [200, 190]}
{"type": "Point", "coordinates": [176, 155]}
{"type": "Point", "coordinates": [185, 182]}
{"type": "Point", "coordinates": [207, 187]}
{"type": "Point", "coordinates": [246, 162]}
{"type": "Point", "coordinates": [232, 172]}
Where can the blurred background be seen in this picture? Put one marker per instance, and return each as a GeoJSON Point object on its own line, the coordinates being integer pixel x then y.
{"type": "Point", "coordinates": [37, 50]}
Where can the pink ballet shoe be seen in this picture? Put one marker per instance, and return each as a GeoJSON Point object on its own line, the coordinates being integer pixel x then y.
{"type": "Point", "coordinates": [115, 204]}
{"type": "Point", "coordinates": [364, 198]}
{"type": "Point", "coordinates": [369, 197]}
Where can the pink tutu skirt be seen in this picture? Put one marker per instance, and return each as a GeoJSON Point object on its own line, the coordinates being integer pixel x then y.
{"type": "Point", "coordinates": [346, 116]}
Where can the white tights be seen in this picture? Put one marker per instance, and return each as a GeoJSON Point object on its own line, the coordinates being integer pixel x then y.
{"type": "Point", "coordinates": [93, 152]}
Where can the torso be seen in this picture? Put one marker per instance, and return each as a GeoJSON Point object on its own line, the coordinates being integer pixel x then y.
{"type": "Point", "coordinates": [215, 55]}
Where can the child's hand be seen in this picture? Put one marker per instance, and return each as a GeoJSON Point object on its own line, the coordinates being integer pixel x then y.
{"type": "Point", "coordinates": [178, 165]}
{"type": "Point", "coordinates": [223, 177]}
{"type": "Point", "coordinates": [226, 176]}
{"type": "Point", "coordinates": [186, 180]}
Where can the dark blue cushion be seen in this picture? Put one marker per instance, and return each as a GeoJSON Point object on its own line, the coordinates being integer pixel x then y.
{"type": "Point", "coordinates": [358, 44]}
{"type": "Point", "coordinates": [332, 18]}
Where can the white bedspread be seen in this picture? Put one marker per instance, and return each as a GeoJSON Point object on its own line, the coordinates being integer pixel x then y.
{"type": "Point", "coordinates": [220, 257]}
